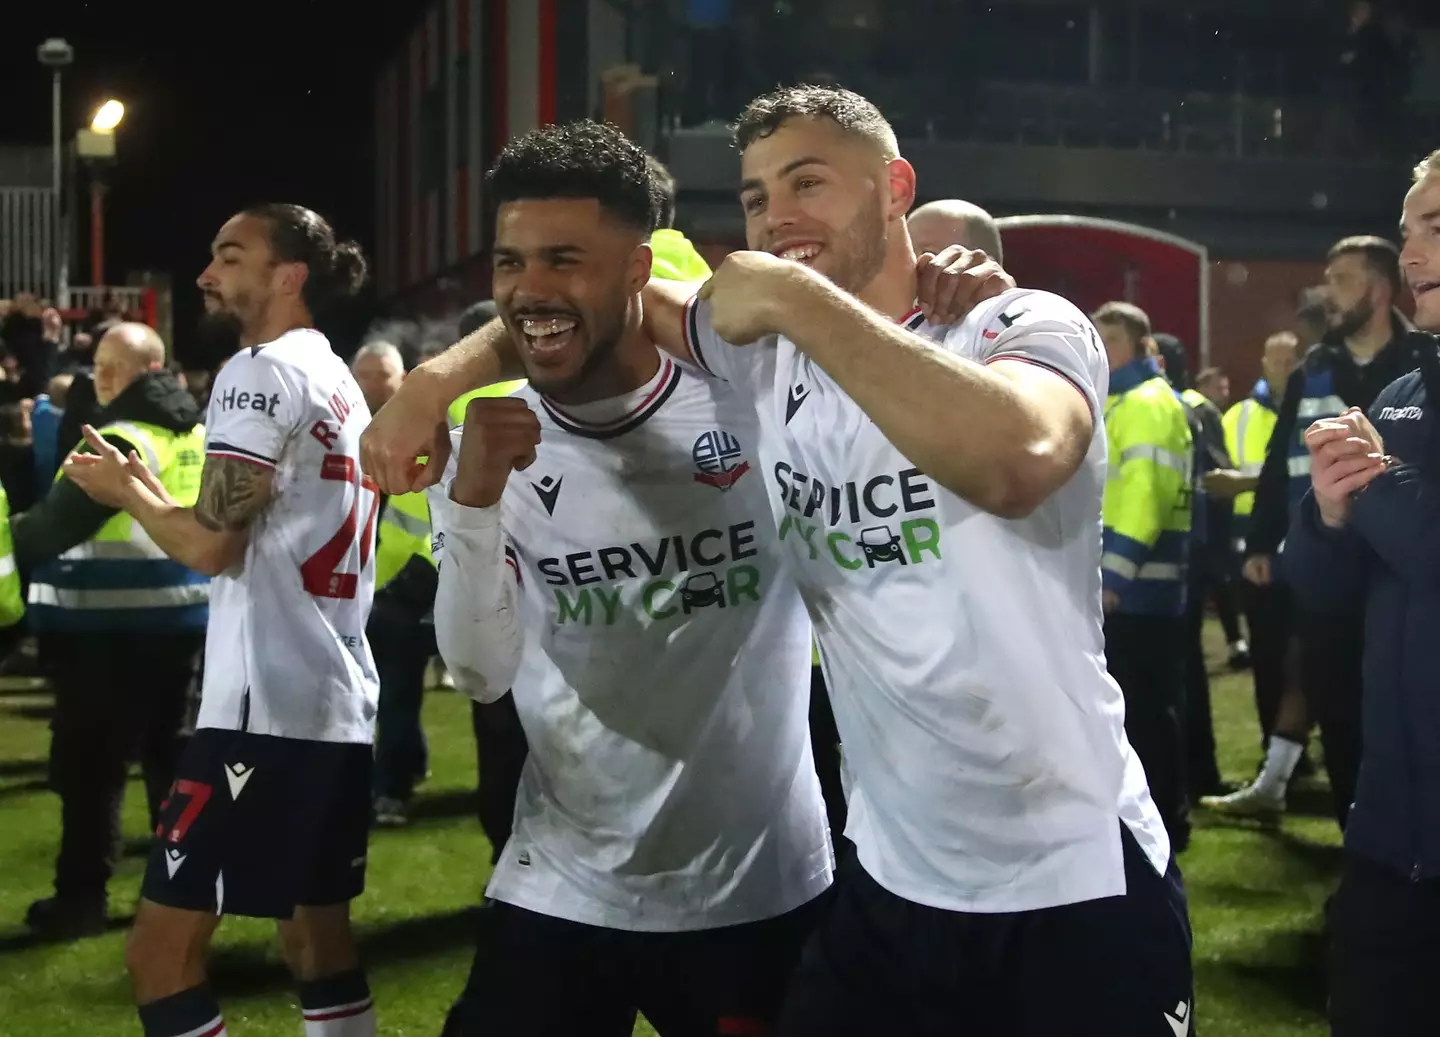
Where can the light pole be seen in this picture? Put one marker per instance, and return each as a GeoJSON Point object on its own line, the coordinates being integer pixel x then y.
{"type": "Point", "coordinates": [56, 55]}
{"type": "Point", "coordinates": [96, 148]}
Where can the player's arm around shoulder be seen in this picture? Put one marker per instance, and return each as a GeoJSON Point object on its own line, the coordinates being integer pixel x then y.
{"type": "Point", "coordinates": [477, 622]}
{"type": "Point", "coordinates": [667, 316]}
{"type": "Point", "coordinates": [412, 424]}
{"type": "Point", "coordinates": [1001, 414]}
{"type": "Point", "coordinates": [1052, 360]}
{"type": "Point", "coordinates": [1003, 437]}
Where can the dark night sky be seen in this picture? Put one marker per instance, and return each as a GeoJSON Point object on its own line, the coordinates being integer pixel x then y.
{"type": "Point", "coordinates": [225, 105]}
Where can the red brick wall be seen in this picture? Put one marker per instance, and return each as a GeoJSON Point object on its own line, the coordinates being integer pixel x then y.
{"type": "Point", "coordinates": [1249, 301]}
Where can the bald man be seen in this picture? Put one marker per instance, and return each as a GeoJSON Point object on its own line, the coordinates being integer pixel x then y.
{"type": "Point", "coordinates": [125, 352]}
{"type": "Point", "coordinates": [132, 348]}
{"type": "Point", "coordinates": [379, 368]}
{"type": "Point", "coordinates": [120, 629]}
{"type": "Point", "coordinates": [936, 226]}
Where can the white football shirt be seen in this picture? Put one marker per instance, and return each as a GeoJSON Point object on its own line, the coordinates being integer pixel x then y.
{"type": "Point", "coordinates": [964, 652]}
{"type": "Point", "coordinates": [285, 651]}
{"type": "Point", "coordinates": [663, 681]}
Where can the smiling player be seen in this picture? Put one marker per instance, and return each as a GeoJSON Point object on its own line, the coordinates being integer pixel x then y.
{"type": "Point", "coordinates": [669, 840]}
{"type": "Point", "coordinates": [940, 486]}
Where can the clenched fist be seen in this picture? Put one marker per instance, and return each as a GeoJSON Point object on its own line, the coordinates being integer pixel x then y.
{"type": "Point", "coordinates": [410, 426]}
{"type": "Point", "coordinates": [1257, 570]}
{"type": "Point", "coordinates": [746, 295]}
{"type": "Point", "coordinates": [499, 436]}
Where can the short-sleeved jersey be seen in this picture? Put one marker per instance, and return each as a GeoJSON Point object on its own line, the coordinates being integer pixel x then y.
{"type": "Point", "coordinates": [964, 652]}
{"type": "Point", "coordinates": [664, 675]}
{"type": "Point", "coordinates": [285, 651]}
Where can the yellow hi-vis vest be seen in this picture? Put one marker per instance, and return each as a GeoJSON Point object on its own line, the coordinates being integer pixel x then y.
{"type": "Point", "coordinates": [457, 409]}
{"type": "Point", "coordinates": [404, 532]}
{"type": "Point", "coordinates": [675, 258]}
{"type": "Point", "coordinates": [12, 607]}
{"type": "Point", "coordinates": [1148, 492]}
{"type": "Point", "coordinates": [1194, 398]}
{"type": "Point", "coordinates": [1248, 428]}
{"type": "Point", "coordinates": [120, 579]}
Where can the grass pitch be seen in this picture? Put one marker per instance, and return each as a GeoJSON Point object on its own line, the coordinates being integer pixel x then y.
{"type": "Point", "coordinates": [1255, 898]}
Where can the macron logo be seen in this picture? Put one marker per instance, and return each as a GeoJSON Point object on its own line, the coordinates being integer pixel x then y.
{"type": "Point", "coordinates": [1411, 413]}
{"type": "Point", "coordinates": [1179, 1019]}
{"type": "Point", "coordinates": [548, 490]}
{"type": "Point", "coordinates": [798, 395]}
{"type": "Point", "coordinates": [237, 775]}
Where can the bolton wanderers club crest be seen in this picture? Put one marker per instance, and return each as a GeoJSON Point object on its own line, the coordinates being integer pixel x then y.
{"type": "Point", "coordinates": [719, 459]}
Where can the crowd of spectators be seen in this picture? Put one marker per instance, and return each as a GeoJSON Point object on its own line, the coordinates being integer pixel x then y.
{"type": "Point", "coordinates": [47, 388]}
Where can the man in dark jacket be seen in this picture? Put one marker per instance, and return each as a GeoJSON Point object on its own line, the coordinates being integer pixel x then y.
{"type": "Point", "coordinates": [1369, 531]}
{"type": "Point", "coordinates": [1207, 433]}
{"type": "Point", "coordinates": [120, 632]}
{"type": "Point", "coordinates": [81, 407]}
{"type": "Point", "coordinates": [1364, 351]}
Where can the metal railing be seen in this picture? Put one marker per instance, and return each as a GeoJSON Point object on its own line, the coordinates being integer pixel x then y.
{"type": "Point", "coordinates": [139, 303]}
{"type": "Point", "coordinates": [87, 297]}
{"type": "Point", "coordinates": [27, 242]}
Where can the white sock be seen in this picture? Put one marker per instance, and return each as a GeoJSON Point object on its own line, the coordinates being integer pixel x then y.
{"type": "Point", "coordinates": [1280, 761]}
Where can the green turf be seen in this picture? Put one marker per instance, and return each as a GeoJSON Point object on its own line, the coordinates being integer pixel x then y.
{"type": "Point", "coordinates": [1255, 899]}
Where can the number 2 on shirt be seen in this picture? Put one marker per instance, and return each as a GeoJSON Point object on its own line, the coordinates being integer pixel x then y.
{"type": "Point", "coordinates": [318, 572]}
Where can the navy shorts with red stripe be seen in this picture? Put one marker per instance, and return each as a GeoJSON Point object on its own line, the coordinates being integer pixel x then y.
{"type": "Point", "coordinates": [257, 825]}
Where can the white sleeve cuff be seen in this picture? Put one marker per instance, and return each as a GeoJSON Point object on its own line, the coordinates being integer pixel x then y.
{"type": "Point", "coordinates": [477, 622]}
{"type": "Point", "coordinates": [461, 519]}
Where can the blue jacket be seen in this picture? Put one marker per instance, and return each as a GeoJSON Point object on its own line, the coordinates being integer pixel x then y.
{"type": "Point", "coordinates": [45, 431]}
{"type": "Point", "coordinates": [1388, 555]}
{"type": "Point", "coordinates": [1327, 381]}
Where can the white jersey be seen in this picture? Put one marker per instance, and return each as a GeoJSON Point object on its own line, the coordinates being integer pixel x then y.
{"type": "Point", "coordinates": [663, 681]}
{"type": "Point", "coordinates": [285, 651]}
{"type": "Point", "coordinates": [964, 652]}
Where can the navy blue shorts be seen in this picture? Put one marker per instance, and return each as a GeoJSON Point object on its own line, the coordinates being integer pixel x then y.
{"type": "Point", "coordinates": [1117, 967]}
{"type": "Point", "coordinates": [257, 825]}
{"type": "Point", "coordinates": [549, 977]}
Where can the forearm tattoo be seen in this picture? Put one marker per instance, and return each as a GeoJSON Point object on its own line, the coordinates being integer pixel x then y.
{"type": "Point", "coordinates": [232, 493]}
